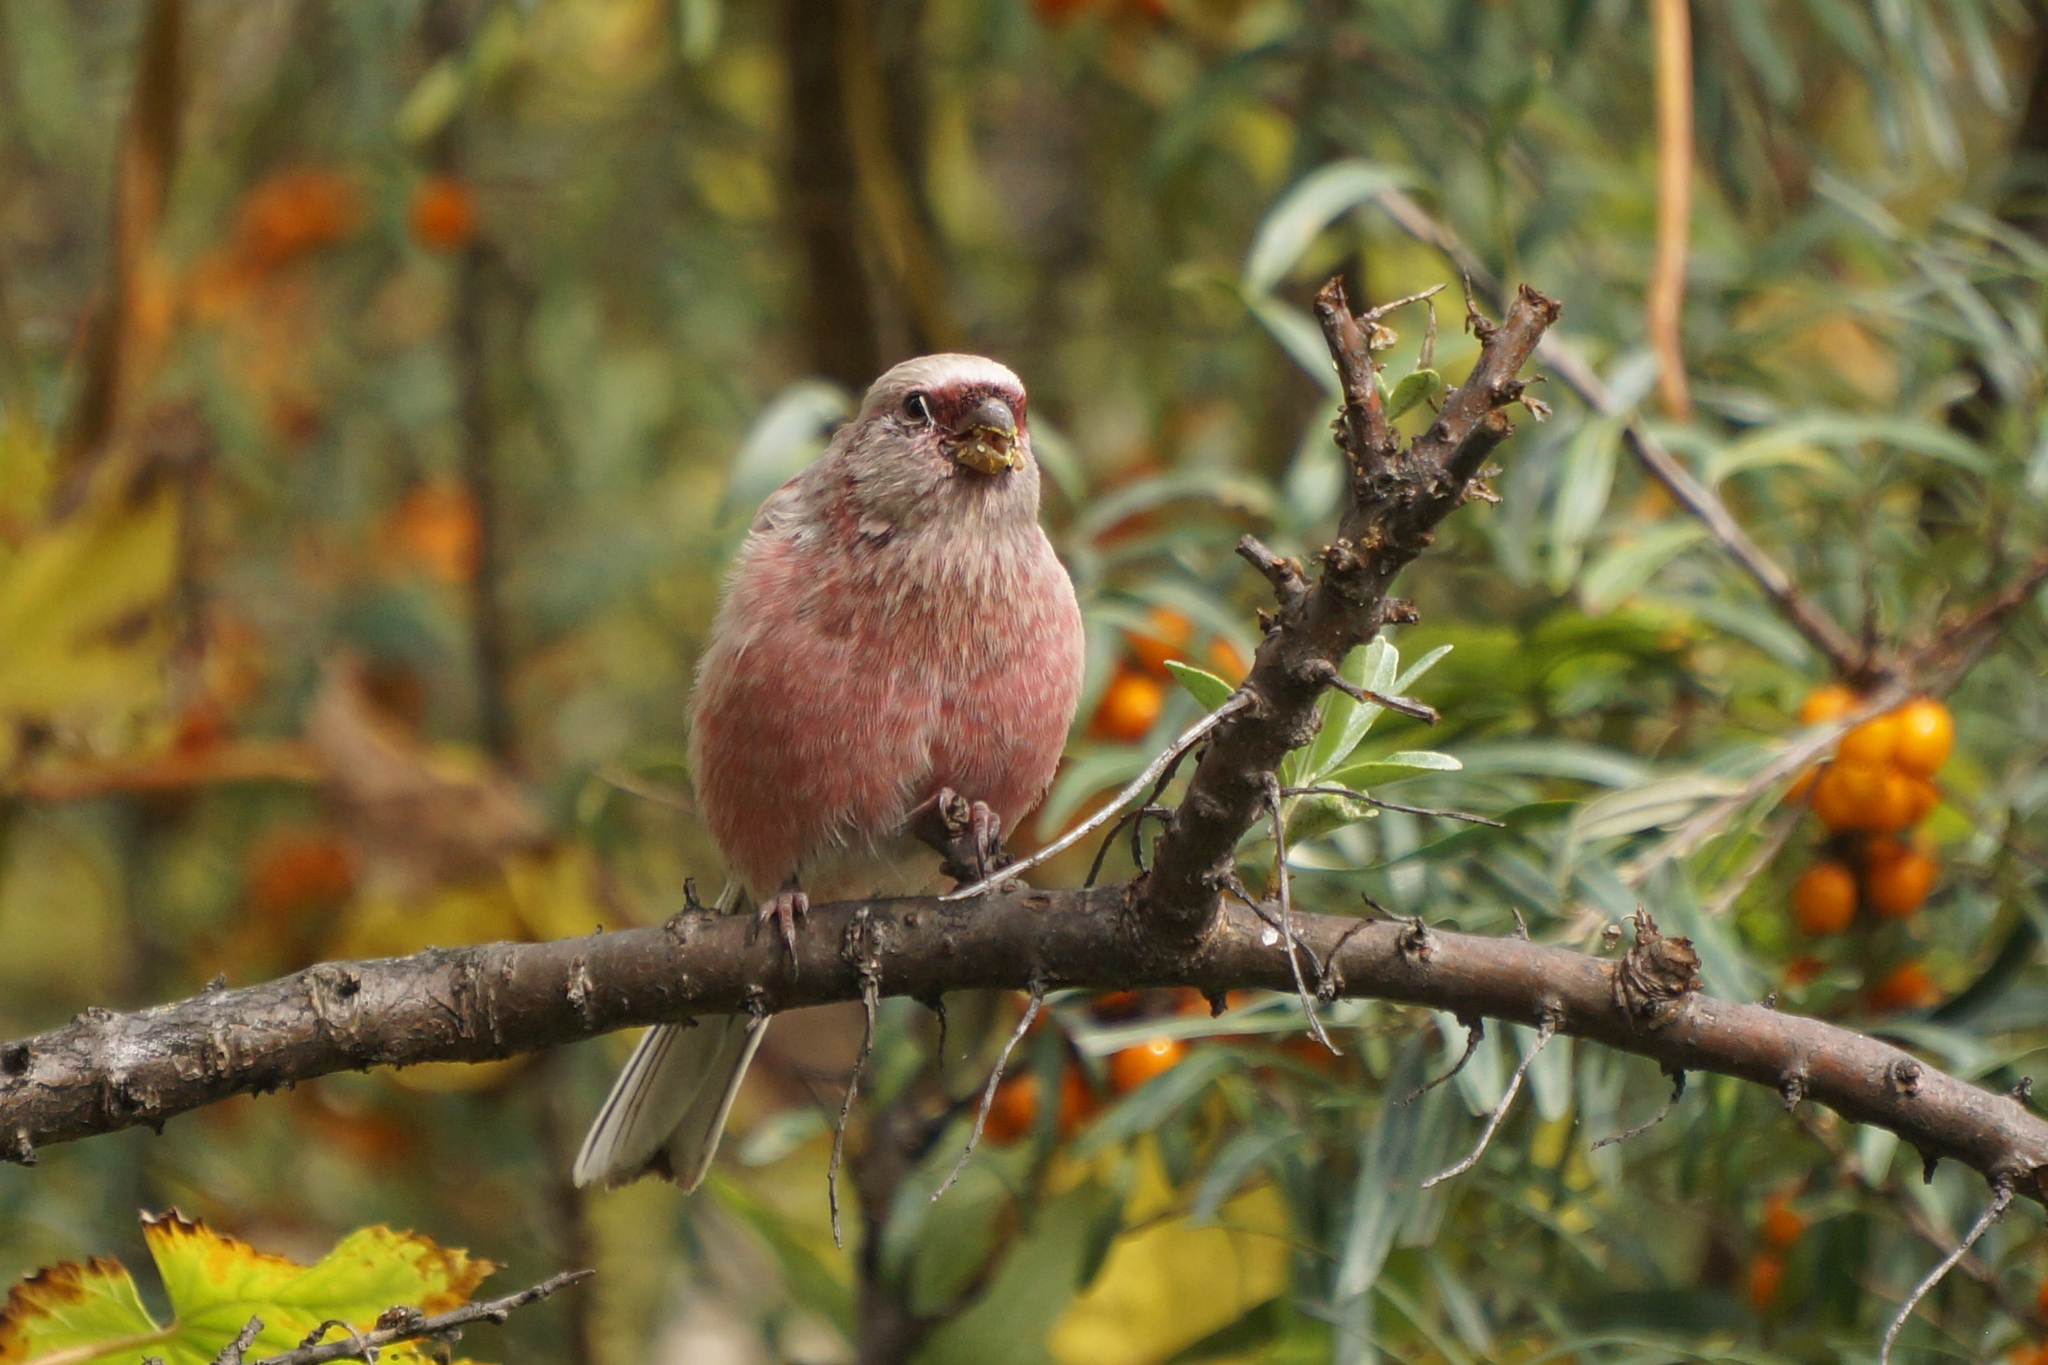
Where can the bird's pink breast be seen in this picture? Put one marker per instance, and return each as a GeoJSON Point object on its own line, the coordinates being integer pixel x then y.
{"type": "Point", "coordinates": [848, 682]}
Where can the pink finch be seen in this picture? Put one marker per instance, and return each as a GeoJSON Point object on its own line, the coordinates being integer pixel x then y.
{"type": "Point", "coordinates": [897, 636]}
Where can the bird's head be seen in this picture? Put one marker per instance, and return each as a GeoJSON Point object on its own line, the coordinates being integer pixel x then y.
{"type": "Point", "coordinates": [943, 427]}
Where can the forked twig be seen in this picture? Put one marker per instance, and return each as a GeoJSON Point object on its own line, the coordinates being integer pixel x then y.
{"type": "Point", "coordinates": [860, 1061]}
{"type": "Point", "coordinates": [1475, 1029]}
{"type": "Point", "coordinates": [416, 1326]}
{"type": "Point", "coordinates": [1308, 1004]}
{"type": "Point", "coordinates": [1500, 1111]}
{"type": "Point", "coordinates": [2001, 1199]}
{"type": "Point", "coordinates": [1188, 739]}
{"type": "Point", "coordinates": [1677, 1093]}
{"type": "Point", "coordinates": [988, 1092]}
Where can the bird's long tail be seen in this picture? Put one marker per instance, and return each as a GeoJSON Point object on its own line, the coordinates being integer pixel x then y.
{"type": "Point", "coordinates": [668, 1107]}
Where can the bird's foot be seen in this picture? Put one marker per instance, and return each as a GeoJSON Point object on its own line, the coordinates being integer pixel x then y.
{"type": "Point", "coordinates": [967, 834]}
{"type": "Point", "coordinates": [786, 907]}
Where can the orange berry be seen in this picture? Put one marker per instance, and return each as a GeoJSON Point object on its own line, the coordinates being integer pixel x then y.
{"type": "Point", "coordinates": [1780, 1226]}
{"type": "Point", "coordinates": [1013, 1111]}
{"type": "Point", "coordinates": [1766, 1269]}
{"type": "Point", "coordinates": [1924, 796]}
{"type": "Point", "coordinates": [1134, 1066]}
{"type": "Point", "coordinates": [443, 214]}
{"type": "Point", "coordinates": [2041, 1299]}
{"type": "Point", "coordinates": [1874, 742]}
{"type": "Point", "coordinates": [1166, 634]}
{"type": "Point", "coordinates": [299, 870]}
{"type": "Point", "coordinates": [295, 212]}
{"type": "Point", "coordinates": [1128, 708]}
{"type": "Point", "coordinates": [1113, 1005]}
{"type": "Point", "coordinates": [1897, 885]}
{"type": "Point", "coordinates": [1801, 970]}
{"type": "Point", "coordinates": [1846, 794]}
{"type": "Point", "coordinates": [1891, 806]}
{"type": "Point", "coordinates": [436, 527]}
{"type": "Point", "coordinates": [1824, 899]}
{"type": "Point", "coordinates": [1826, 702]}
{"type": "Point", "coordinates": [1802, 784]}
{"type": "Point", "coordinates": [1926, 735]}
{"type": "Point", "coordinates": [1908, 987]}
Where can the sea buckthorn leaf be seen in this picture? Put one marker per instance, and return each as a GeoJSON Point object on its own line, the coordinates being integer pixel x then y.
{"type": "Point", "coordinates": [73, 1314]}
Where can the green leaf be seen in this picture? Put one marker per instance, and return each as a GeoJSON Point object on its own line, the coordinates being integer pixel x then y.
{"type": "Point", "coordinates": [1305, 210]}
{"type": "Point", "coordinates": [1299, 336]}
{"type": "Point", "coordinates": [1630, 563]}
{"type": "Point", "coordinates": [1419, 386]}
{"type": "Point", "coordinates": [1345, 722]}
{"type": "Point", "coordinates": [1205, 687]}
{"type": "Point", "coordinates": [92, 1312]}
{"type": "Point", "coordinates": [1157, 1100]}
{"type": "Point", "coordinates": [1653, 805]}
{"type": "Point", "coordinates": [1584, 483]}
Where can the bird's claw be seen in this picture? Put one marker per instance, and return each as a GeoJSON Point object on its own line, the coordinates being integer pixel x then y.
{"type": "Point", "coordinates": [786, 907]}
{"type": "Point", "coordinates": [967, 834]}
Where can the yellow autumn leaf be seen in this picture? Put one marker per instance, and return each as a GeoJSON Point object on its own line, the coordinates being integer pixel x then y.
{"type": "Point", "coordinates": [72, 1314]}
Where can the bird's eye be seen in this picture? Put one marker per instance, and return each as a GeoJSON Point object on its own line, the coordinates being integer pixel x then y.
{"type": "Point", "coordinates": [917, 409]}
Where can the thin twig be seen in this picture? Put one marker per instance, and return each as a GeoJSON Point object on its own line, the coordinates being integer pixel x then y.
{"type": "Point", "coordinates": [1188, 739]}
{"type": "Point", "coordinates": [1576, 374]}
{"type": "Point", "coordinates": [1353, 795]}
{"type": "Point", "coordinates": [654, 793]}
{"type": "Point", "coordinates": [1308, 1004]}
{"type": "Point", "coordinates": [232, 1353]}
{"type": "Point", "coordinates": [988, 1092]}
{"type": "Point", "coordinates": [860, 1061]}
{"type": "Point", "coordinates": [1500, 1111]}
{"type": "Point", "coordinates": [1766, 853]}
{"type": "Point", "coordinates": [2001, 1199]}
{"type": "Point", "coordinates": [1677, 1092]}
{"type": "Point", "coordinates": [415, 1327]}
{"type": "Point", "coordinates": [1327, 674]}
{"type": "Point", "coordinates": [1475, 1029]}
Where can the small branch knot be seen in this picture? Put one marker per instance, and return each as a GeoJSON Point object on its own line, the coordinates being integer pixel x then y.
{"type": "Point", "coordinates": [1657, 973]}
{"type": "Point", "coordinates": [1905, 1075]}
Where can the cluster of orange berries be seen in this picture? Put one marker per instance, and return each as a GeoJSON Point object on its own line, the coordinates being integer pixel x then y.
{"type": "Point", "coordinates": [1014, 1111]}
{"type": "Point", "coordinates": [1136, 695]}
{"type": "Point", "coordinates": [1878, 785]}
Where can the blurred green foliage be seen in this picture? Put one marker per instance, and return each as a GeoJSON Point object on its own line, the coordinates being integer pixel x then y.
{"type": "Point", "coordinates": [471, 332]}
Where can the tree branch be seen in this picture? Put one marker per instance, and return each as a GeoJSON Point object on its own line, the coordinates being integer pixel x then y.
{"type": "Point", "coordinates": [106, 1071]}
{"type": "Point", "coordinates": [1396, 498]}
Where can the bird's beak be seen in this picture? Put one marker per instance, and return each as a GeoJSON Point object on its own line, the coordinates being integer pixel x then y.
{"type": "Point", "coordinates": [985, 440]}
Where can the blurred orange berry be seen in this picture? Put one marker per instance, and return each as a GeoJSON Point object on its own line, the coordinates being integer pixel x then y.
{"type": "Point", "coordinates": [1165, 635]}
{"type": "Point", "coordinates": [1896, 885]}
{"type": "Point", "coordinates": [1874, 742]}
{"type": "Point", "coordinates": [1803, 969]}
{"type": "Point", "coordinates": [299, 870]}
{"type": "Point", "coordinates": [1113, 1005]}
{"type": "Point", "coordinates": [1908, 987]}
{"type": "Point", "coordinates": [1926, 736]}
{"type": "Point", "coordinates": [1766, 1270]}
{"type": "Point", "coordinates": [1802, 784]}
{"type": "Point", "coordinates": [1824, 899]}
{"type": "Point", "coordinates": [1826, 702]}
{"type": "Point", "coordinates": [443, 214]}
{"type": "Point", "coordinates": [1780, 1226]}
{"type": "Point", "coordinates": [1923, 797]}
{"type": "Point", "coordinates": [1128, 708]}
{"type": "Point", "coordinates": [2041, 1301]}
{"type": "Point", "coordinates": [1891, 806]}
{"type": "Point", "coordinates": [1847, 793]}
{"type": "Point", "coordinates": [1134, 1066]}
{"type": "Point", "coordinates": [436, 527]}
{"type": "Point", "coordinates": [296, 212]}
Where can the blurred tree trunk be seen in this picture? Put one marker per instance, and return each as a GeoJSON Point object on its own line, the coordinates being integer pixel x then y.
{"type": "Point", "coordinates": [873, 280]}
